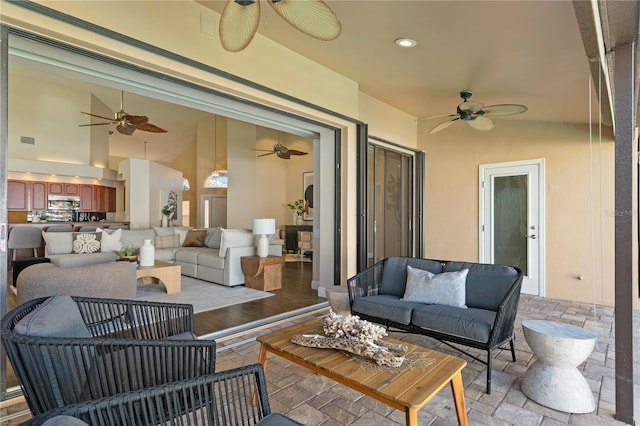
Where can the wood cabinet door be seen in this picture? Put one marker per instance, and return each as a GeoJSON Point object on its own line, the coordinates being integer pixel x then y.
{"type": "Point", "coordinates": [99, 199]}
{"type": "Point", "coordinates": [55, 188]}
{"type": "Point", "coordinates": [71, 189]}
{"type": "Point", "coordinates": [39, 195]}
{"type": "Point", "coordinates": [17, 195]}
{"type": "Point", "coordinates": [86, 198]}
{"type": "Point", "coordinates": [111, 199]}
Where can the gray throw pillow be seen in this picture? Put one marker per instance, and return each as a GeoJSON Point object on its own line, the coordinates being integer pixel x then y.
{"type": "Point", "coordinates": [213, 237]}
{"type": "Point", "coordinates": [447, 288]}
{"type": "Point", "coordinates": [58, 316]}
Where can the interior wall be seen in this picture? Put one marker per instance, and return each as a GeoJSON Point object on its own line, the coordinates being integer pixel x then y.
{"type": "Point", "coordinates": [185, 163]}
{"type": "Point", "coordinates": [58, 138]}
{"type": "Point", "coordinates": [453, 157]}
{"type": "Point", "coordinates": [99, 135]}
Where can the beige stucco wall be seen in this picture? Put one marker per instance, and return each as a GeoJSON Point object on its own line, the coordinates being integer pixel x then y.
{"type": "Point", "coordinates": [452, 190]}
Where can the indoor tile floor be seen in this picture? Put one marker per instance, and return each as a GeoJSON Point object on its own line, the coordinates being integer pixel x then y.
{"type": "Point", "coordinates": [314, 400]}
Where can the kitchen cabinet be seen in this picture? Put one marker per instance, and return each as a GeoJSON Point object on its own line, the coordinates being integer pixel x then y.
{"type": "Point", "coordinates": [39, 194]}
{"type": "Point", "coordinates": [71, 189]}
{"type": "Point", "coordinates": [86, 198]}
{"type": "Point", "coordinates": [99, 199]}
{"type": "Point", "coordinates": [17, 195]}
{"type": "Point", "coordinates": [55, 188]}
{"type": "Point", "coordinates": [111, 199]}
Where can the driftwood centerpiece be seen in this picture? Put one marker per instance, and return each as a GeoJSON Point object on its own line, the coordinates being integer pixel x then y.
{"type": "Point", "coordinates": [351, 334]}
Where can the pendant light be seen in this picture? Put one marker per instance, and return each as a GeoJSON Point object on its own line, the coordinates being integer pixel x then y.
{"type": "Point", "coordinates": [217, 178]}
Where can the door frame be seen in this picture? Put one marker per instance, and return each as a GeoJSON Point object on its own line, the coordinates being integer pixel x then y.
{"type": "Point", "coordinates": [541, 231]}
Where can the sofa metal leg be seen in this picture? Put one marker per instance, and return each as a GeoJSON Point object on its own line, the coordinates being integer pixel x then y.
{"type": "Point", "coordinates": [489, 363]}
{"type": "Point", "coordinates": [513, 349]}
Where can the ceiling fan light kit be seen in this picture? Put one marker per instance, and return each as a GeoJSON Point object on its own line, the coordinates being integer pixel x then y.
{"type": "Point", "coordinates": [240, 18]}
{"type": "Point", "coordinates": [475, 114]}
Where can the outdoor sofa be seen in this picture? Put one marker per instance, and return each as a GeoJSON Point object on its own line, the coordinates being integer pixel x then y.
{"type": "Point", "coordinates": [465, 303]}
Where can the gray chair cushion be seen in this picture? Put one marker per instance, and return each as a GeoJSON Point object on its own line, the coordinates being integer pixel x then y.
{"type": "Point", "coordinates": [58, 316]}
{"type": "Point", "coordinates": [384, 306]}
{"type": "Point", "coordinates": [63, 420]}
{"type": "Point", "coordinates": [487, 284]}
{"type": "Point", "coordinates": [394, 275]}
{"type": "Point", "coordinates": [475, 324]}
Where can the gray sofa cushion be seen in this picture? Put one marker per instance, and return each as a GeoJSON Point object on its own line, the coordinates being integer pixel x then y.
{"type": "Point", "coordinates": [486, 284]}
{"type": "Point", "coordinates": [475, 324]}
{"type": "Point", "coordinates": [190, 254]}
{"type": "Point", "coordinates": [384, 306]}
{"type": "Point", "coordinates": [210, 259]}
{"type": "Point", "coordinates": [58, 316]}
{"type": "Point", "coordinates": [82, 259]}
{"type": "Point", "coordinates": [394, 276]}
{"type": "Point", "coordinates": [136, 237]}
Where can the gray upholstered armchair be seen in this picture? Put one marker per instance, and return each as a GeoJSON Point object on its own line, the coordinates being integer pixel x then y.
{"type": "Point", "coordinates": [66, 350]}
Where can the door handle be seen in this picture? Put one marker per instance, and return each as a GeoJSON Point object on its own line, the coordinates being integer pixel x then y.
{"type": "Point", "coordinates": [532, 236]}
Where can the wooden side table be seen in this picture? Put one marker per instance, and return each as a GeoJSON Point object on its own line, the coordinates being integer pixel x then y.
{"type": "Point", "coordinates": [262, 273]}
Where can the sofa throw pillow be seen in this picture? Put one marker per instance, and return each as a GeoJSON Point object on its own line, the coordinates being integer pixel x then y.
{"type": "Point", "coordinates": [162, 232]}
{"type": "Point", "coordinates": [213, 237]}
{"type": "Point", "coordinates": [167, 241]}
{"type": "Point", "coordinates": [235, 238]}
{"type": "Point", "coordinates": [58, 242]}
{"type": "Point", "coordinates": [182, 232]}
{"type": "Point", "coordinates": [194, 238]}
{"type": "Point", "coordinates": [86, 242]}
{"type": "Point", "coordinates": [447, 288]}
{"type": "Point", "coordinates": [58, 316]}
{"type": "Point", "coordinates": [110, 242]}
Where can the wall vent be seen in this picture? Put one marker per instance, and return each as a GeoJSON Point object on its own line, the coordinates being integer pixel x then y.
{"type": "Point", "coordinates": [27, 139]}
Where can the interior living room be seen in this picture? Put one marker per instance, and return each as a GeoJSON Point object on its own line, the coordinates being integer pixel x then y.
{"type": "Point", "coordinates": [575, 141]}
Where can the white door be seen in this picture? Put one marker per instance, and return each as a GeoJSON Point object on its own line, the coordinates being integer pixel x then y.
{"type": "Point", "coordinates": [512, 219]}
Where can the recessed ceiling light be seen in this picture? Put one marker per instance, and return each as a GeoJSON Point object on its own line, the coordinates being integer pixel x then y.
{"type": "Point", "coordinates": [406, 42]}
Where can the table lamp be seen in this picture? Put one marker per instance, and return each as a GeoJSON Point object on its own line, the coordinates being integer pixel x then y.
{"type": "Point", "coordinates": [263, 227]}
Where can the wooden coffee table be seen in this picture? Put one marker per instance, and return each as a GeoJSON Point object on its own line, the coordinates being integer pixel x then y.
{"type": "Point", "coordinates": [168, 273]}
{"type": "Point", "coordinates": [406, 388]}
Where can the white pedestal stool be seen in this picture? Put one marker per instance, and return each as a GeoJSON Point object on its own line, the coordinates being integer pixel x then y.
{"type": "Point", "coordinates": [553, 380]}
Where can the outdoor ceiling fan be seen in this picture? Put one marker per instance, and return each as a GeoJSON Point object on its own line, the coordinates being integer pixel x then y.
{"type": "Point", "coordinates": [475, 114]}
{"type": "Point", "coordinates": [240, 18]}
{"type": "Point", "coordinates": [126, 123]}
{"type": "Point", "coordinates": [281, 151]}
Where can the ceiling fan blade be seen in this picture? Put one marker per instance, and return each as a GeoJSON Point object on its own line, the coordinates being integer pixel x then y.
{"type": "Point", "coordinates": [284, 155]}
{"type": "Point", "coordinates": [148, 127]}
{"type": "Point", "coordinates": [312, 17]}
{"type": "Point", "coordinates": [269, 153]}
{"type": "Point", "coordinates": [99, 116]}
{"type": "Point", "coordinates": [95, 124]}
{"type": "Point", "coordinates": [471, 106]}
{"type": "Point", "coordinates": [238, 24]}
{"type": "Point", "coordinates": [135, 119]}
{"type": "Point", "coordinates": [125, 130]}
{"type": "Point", "coordinates": [264, 150]}
{"type": "Point", "coordinates": [444, 125]}
{"type": "Point", "coordinates": [439, 116]}
{"type": "Point", "coordinates": [481, 123]}
{"type": "Point", "coordinates": [296, 152]}
{"type": "Point", "coordinates": [505, 109]}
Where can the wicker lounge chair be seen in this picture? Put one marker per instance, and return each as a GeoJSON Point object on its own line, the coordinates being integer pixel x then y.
{"type": "Point", "coordinates": [230, 398]}
{"type": "Point", "coordinates": [73, 349]}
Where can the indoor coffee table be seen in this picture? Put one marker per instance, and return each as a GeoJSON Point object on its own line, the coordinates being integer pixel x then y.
{"type": "Point", "coordinates": [406, 388]}
{"type": "Point", "coordinates": [168, 273]}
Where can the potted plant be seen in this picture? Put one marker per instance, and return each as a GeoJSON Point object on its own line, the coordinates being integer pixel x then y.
{"type": "Point", "coordinates": [166, 211]}
{"type": "Point", "coordinates": [43, 217]}
{"type": "Point", "coordinates": [298, 210]}
{"type": "Point", "coordinates": [128, 253]}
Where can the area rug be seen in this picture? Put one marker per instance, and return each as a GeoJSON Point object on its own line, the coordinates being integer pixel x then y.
{"type": "Point", "coordinates": [203, 295]}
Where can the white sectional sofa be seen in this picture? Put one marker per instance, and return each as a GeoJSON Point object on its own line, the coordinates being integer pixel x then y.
{"type": "Point", "coordinates": [208, 254]}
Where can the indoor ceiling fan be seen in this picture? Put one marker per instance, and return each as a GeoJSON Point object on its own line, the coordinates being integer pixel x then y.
{"type": "Point", "coordinates": [125, 123]}
{"type": "Point", "coordinates": [476, 114]}
{"type": "Point", "coordinates": [240, 18]}
{"type": "Point", "coordinates": [281, 151]}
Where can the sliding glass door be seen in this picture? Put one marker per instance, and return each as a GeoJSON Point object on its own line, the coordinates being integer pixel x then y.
{"type": "Point", "coordinates": [390, 203]}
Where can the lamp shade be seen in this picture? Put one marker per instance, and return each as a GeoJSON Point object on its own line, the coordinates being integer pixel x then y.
{"type": "Point", "coordinates": [264, 226]}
